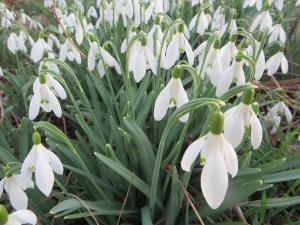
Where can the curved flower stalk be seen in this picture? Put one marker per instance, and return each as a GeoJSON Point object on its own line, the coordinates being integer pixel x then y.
{"type": "Point", "coordinates": [273, 117]}
{"type": "Point", "coordinates": [141, 58]}
{"type": "Point", "coordinates": [17, 218]}
{"type": "Point", "coordinates": [13, 186]}
{"type": "Point", "coordinates": [202, 22]}
{"type": "Point", "coordinates": [67, 50]}
{"type": "Point", "coordinates": [277, 33]}
{"type": "Point", "coordinates": [100, 54]}
{"type": "Point", "coordinates": [42, 162]}
{"type": "Point", "coordinates": [178, 44]}
{"type": "Point", "coordinates": [262, 21]}
{"type": "Point", "coordinates": [243, 116]}
{"type": "Point", "coordinates": [38, 49]}
{"type": "Point", "coordinates": [43, 96]}
{"type": "Point", "coordinates": [16, 43]}
{"type": "Point", "coordinates": [233, 72]}
{"type": "Point", "coordinates": [172, 95]}
{"type": "Point", "coordinates": [276, 61]}
{"type": "Point", "coordinates": [218, 157]}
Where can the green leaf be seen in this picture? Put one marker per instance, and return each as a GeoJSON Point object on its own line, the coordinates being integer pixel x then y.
{"type": "Point", "coordinates": [277, 202]}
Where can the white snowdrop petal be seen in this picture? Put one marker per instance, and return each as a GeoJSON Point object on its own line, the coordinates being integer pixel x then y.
{"type": "Point", "coordinates": [24, 217]}
{"type": "Point", "coordinates": [284, 64]}
{"type": "Point", "coordinates": [214, 178]}
{"type": "Point", "coordinates": [59, 89]}
{"type": "Point", "coordinates": [287, 113]}
{"type": "Point", "coordinates": [162, 102]}
{"type": "Point", "coordinates": [34, 106]}
{"type": "Point", "coordinates": [230, 157]}
{"type": "Point", "coordinates": [182, 99]}
{"type": "Point", "coordinates": [191, 154]}
{"type": "Point", "coordinates": [172, 53]}
{"type": "Point", "coordinates": [1, 186]}
{"type": "Point", "coordinates": [55, 162]}
{"type": "Point", "coordinates": [256, 131]}
{"type": "Point", "coordinates": [43, 174]}
{"type": "Point", "coordinates": [189, 52]}
{"type": "Point", "coordinates": [17, 196]}
{"type": "Point", "coordinates": [53, 101]}
{"type": "Point", "coordinates": [139, 67]}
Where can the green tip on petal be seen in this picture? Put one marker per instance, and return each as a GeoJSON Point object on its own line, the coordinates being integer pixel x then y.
{"type": "Point", "coordinates": [3, 215]}
{"type": "Point", "coordinates": [36, 138]}
{"type": "Point", "coordinates": [248, 96]}
{"type": "Point", "coordinates": [176, 72]}
{"type": "Point", "coordinates": [217, 122]}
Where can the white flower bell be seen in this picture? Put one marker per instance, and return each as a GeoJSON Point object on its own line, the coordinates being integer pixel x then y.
{"type": "Point", "coordinates": [172, 95]}
{"type": "Point", "coordinates": [202, 22]}
{"type": "Point", "coordinates": [103, 56]}
{"type": "Point", "coordinates": [178, 44]}
{"type": "Point", "coordinates": [42, 162]}
{"type": "Point", "coordinates": [218, 157]}
{"type": "Point", "coordinates": [67, 50]}
{"type": "Point", "coordinates": [44, 98]}
{"type": "Point", "coordinates": [141, 58]}
{"type": "Point", "coordinates": [38, 50]}
{"type": "Point", "coordinates": [277, 33]}
{"type": "Point", "coordinates": [276, 61]}
{"type": "Point", "coordinates": [263, 21]}
{"type": "Point", "coordinates": [238, 118]}
{"type": "Point", "coordinates": [18, 217]}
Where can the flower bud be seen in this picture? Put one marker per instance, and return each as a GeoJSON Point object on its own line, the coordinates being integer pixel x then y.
{"type": "Point", "coordinates": [3, 215]}
{"type": "Point", "coordinates": [217, 122]}
{"type": "Point", "coordinates": [36, 138]}
{"type": "Point", "coordinates": [248, 96]}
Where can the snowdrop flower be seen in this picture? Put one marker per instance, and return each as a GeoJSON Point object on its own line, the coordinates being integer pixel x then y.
{"type": "Point", "coordinates": [79, 33]}
{"type": "Point", "coordinates": [42, 162]}
{"type": "Point", "coordinates": [44, 98]}
{"type": "Point", "coordinates": [228, 52]}
{"type": "Point", "coordinates": [1, 72]}
{"type": "Point", "coordinates": [125, 9]}
{"type": "Point", "coordinates": [218, 157]}
{"type": "Point", "coordinates": [260, 62]}
{"type": "Point", "coordinates": [178, 44]}
{"type": "Point", "coordinates": [127, 40]}
{"type": "Point", "coordinates": [38, 50]}
{"type": "Point", "coordinates": [218, 21]}
{"type": "Point", "coordinates": [15, 43]}
{"type": "Point", "coordinates": [276, 61]}
{"type": "Point", "coordinates": [202, 22]}
{"type": "Point", "coordinates": [52, 39]}
{"type": "Point", "coordinates": [278, 4]}
{"type": "Point", "coordinates": [200, 51]}
{"type": "Point", "coordinates": [297, 3]}
{"type": "Point", "coordinates": [172, 95]}
{"type": "Point", "coordinates": [67, 50]}
{"type": "Point", "coordinates": [18, 217]}
{"type": "Point", "coordinates": [273, 116]}
{"type": "Point", "coordinates": [103, 56]}
{"type": "Point", "coordinates": [249, 3]}
{"type": "Point", "coordinates": [263, 21]}
{"type": "Point", "coordinates": [240, 117]}
{"type": "Point", "coordinates": [12, 184]}
{"type": "Point", "coordinates": [92, 12]}
{"type": "Point", "coordinates": [277, 33]}
{"type": "Point", "coordinates": [141, 58]}
{"type": "Point", "coordinates": [213, 64]}
{"type": "Point", "coordinates": [233, 72]}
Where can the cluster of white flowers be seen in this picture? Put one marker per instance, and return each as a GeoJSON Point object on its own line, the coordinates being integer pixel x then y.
{"type": "Point", "coordinates": [219, 64]}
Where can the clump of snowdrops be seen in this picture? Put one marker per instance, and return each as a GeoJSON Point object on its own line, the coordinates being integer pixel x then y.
{"type": "Point", "coordinates": [130, 112]}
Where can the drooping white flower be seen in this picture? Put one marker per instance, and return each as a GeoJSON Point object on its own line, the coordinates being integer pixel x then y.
{"type": "Point", "coordinates": [297, 3]}
{"type": "Point", "coordinates": [44, 98]}
{"type": "Point", "coordinates": [277, 33]}
{"type": "Point", "coordinates": [278, 4]}
{"type": "Point", "coordinates": [79, 33]}
{"type": "Point", "coordinates": [178, 44]}
{"type": "Point", "coordinates": [276, 61]}
{"type": "Point", "coordinates": [218, 21]}
{"type": "Point", "coordinates": [249, 3]}
{"type": "Point", "coordinates": [127, 40]}
{"type": "Point", "coordinates": [233, 72]}
{"type": "Point", "coordinates": [124, 8]}
{"type": "Point", "coordinates": [213, 66]}
{"type": "Point", "coordinates": [16, 43]}
{"type": "Point", "coordinates": [92, 12]}
{"type": "Point", "coordinates": [240, 117]}
{"type": "Point", "coordinates": [263, 21]}
{"type": "Point", "coordinates": [172, 95]}
{"type": "Point", "coordinates": [18, 217]}
{"type": "Point", "coordinates": [103, 57]}
{"type": "Point", "coordinates": [52, 39]}
{"type": "Point", "coordinates": [42, 162]}
{"type": "Point", "coordinates": [141, 58]}
{"type": "Point", "coordinates": [200, 51]}
{"type": "Point", "coordinates": [12, 184]}
{"type": "Point", "coordinates": [67, 50]}
{"type": "Point", "coordinates": [219, 158]}
{"type": "Point", "coordinates": [1, 72]}
{"type": "Point", "coordinates": [228, 52]}
{"type": "Point", "coordinates": [273, 117]}
{"type": "Point", "coordinates": [202, 22]}
{"type": "Point", "coordinates": [38, 50]}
